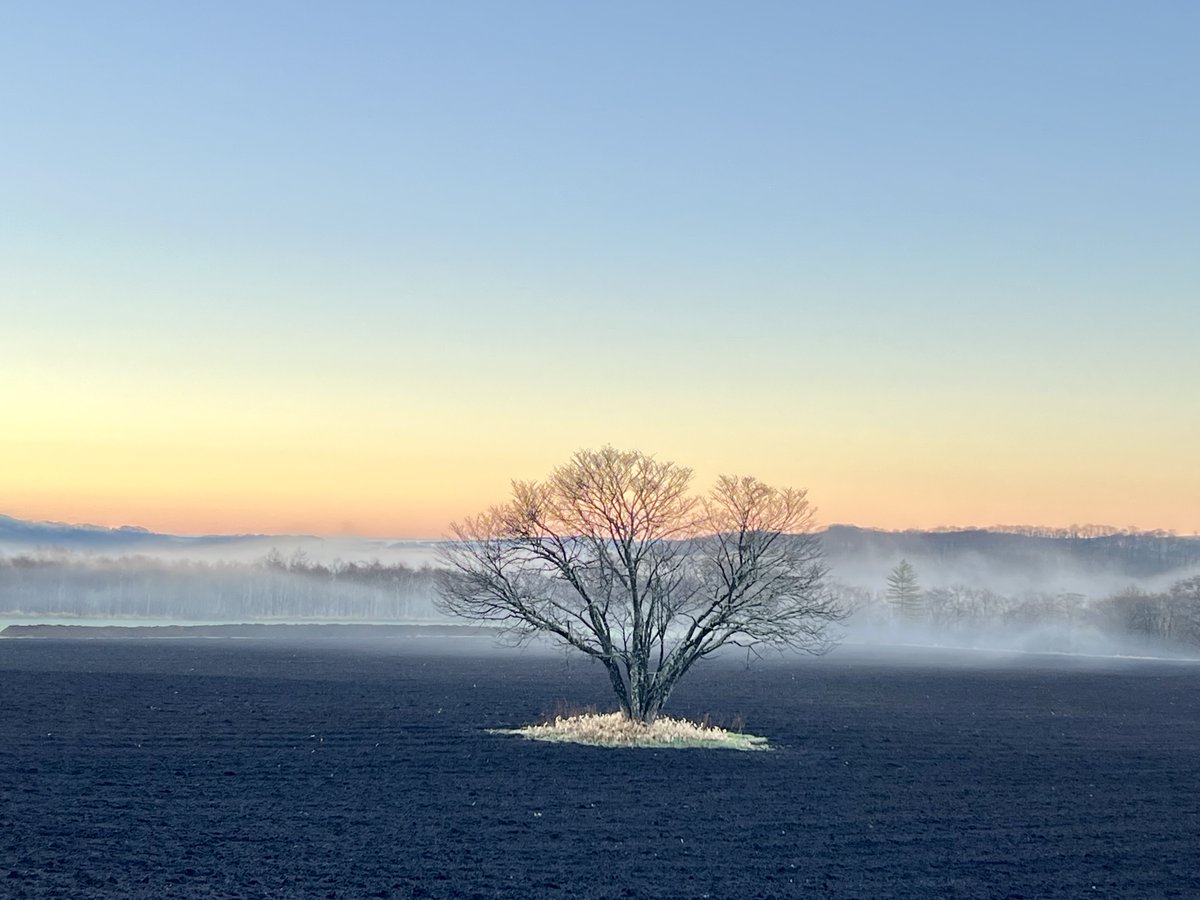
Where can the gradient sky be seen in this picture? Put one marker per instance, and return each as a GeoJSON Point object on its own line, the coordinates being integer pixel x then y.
{"type": "Point", "coordinates": [350, 267]}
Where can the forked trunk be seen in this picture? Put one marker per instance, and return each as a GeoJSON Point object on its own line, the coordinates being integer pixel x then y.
{"type": "Point", "coordinates": [653, 698]}
{"type": "Point", "coordinates": [642, 698]}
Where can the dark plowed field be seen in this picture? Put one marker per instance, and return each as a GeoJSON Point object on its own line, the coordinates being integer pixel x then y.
{"type": "Point", "coordinates": [231, 768]}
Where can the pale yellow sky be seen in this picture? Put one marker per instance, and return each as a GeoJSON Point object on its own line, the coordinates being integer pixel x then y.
{"type": "Point", "coordinates": [178, 455]}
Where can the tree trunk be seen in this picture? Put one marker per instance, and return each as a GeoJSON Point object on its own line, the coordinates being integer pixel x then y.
{"type": "Point", "coordinates": [619, 686]}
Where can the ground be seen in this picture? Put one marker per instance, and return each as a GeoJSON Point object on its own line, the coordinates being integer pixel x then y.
{"type": "Point", "coordinates": [249, 768]}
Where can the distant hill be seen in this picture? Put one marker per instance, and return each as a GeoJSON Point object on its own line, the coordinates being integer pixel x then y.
{"type": "Point", "coordinates": [1003, 559]}
{"type": "Point", "coordinates": [1007, 560]}
{"type": "Point", "coordinates": [21, 536]}
{"type": "Point", "coordinates": [97, 538]}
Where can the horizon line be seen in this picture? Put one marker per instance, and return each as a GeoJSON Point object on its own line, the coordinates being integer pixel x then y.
{"type": "Point", "coordinates": [1075, 530]}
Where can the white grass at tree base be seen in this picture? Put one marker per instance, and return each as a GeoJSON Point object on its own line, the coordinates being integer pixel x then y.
{"type": "Point", "coordinates": [618, 730]}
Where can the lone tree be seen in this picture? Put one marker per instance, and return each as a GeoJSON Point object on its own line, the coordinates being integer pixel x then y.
{"type": "Point", "coordinates": [613, 556]}
{"type": "Point", "coordinates": [903, 591]}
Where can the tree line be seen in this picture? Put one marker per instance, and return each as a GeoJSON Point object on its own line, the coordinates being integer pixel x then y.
{"type": "Point", "coordinates": [1167, 617]}
{"type": "Point", "coordinates": [1037, 551]}
{"type": "Point", "coordinates": [274, 587]}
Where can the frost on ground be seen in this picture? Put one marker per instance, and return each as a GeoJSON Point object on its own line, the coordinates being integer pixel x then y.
{"type": "Point", "coordinates": [617, 730]}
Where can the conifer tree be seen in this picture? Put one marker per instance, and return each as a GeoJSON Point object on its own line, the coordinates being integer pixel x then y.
{"type": "Point", "coordinates": [903, 592]}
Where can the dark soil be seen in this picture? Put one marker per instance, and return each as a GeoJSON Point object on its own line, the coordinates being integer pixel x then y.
{"type": "Point", "coordinates": [227, 768]}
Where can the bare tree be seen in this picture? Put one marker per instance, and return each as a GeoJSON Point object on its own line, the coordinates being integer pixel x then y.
{"type": "Point", "coordinates": [613, 556]}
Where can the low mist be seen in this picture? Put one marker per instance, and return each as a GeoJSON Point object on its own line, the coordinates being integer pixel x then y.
{"type": "Point", "coordinates": [272, 588]}
{"type": "Point", "coordinates": [1101, 593]}
{"type": "Point", "coordinates": [1089, 590]}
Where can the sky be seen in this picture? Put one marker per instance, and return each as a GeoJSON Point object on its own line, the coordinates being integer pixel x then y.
{"type": "Point", "coordinates": [351, 267]}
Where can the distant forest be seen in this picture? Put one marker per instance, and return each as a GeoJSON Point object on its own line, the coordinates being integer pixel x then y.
{"type": "Point", "coordinates": [1066, 622]}
{"type": "Point", "coordinates": [1098, 548]}
{"type": "Point", "coordinates": [964, 586]}
{"type": "Point", "coordinates": [295, 587]}
{"type": "Point", "coordinates": [963, 590]}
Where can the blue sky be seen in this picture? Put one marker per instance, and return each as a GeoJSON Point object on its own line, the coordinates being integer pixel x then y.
{"type": "Point", "coordinates": [894, 223]}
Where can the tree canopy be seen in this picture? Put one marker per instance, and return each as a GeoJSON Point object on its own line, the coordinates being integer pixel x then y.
{"type": "Point", "coordinates": [614, 556]}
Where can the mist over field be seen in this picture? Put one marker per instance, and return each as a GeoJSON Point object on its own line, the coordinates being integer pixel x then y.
{"type": "Point", "coordinates": [1092, 590]}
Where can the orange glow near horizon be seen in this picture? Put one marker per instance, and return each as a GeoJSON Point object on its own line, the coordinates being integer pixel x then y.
{"type": "Point", "coordinates": [206, 517]}
{"type": "Point", "coordinates": [181, 455]}
{"type": "Point", "coordinates": [189, 491]}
